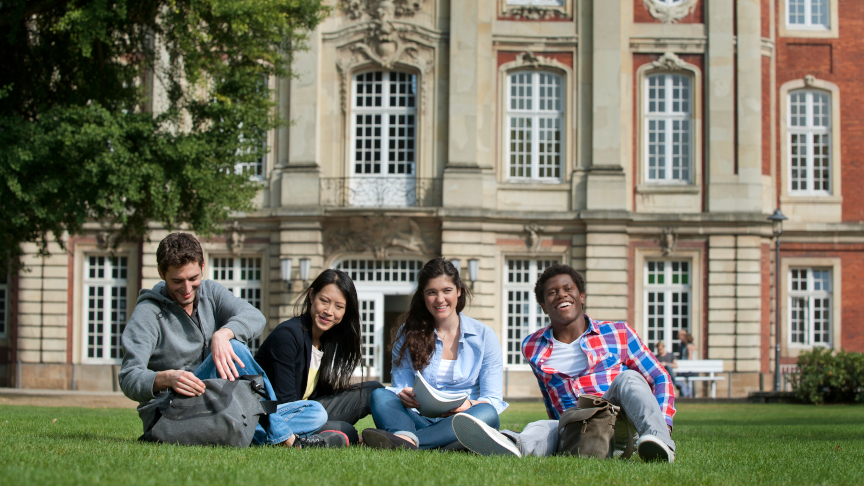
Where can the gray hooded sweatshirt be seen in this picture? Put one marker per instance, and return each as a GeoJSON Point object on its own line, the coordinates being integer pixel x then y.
{"type": "Point", "coordinates": [160, 335]}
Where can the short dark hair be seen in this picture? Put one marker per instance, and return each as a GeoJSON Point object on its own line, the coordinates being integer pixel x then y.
{"type": "Point", "coordinates": [552, 271]}
{"type": "Point", "coordinates": [178, 250]}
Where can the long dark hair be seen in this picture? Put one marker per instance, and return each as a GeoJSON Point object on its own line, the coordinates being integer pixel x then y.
{"type": "Point", "coordinates": [340, 344]}
{"type": "Point", "coordinates": [419, 324]}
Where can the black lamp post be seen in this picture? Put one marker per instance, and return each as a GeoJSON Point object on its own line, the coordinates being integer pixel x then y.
{"type": "Point", "coordinates": [777, 221]}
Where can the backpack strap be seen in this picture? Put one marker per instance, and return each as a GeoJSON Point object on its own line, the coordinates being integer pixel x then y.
{"type": "Point", "coordinates": [256, 383]}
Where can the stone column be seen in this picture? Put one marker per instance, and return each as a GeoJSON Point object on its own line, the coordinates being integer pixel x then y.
{"type": "Point", "coordinates": [748, 303]}
{"type": "Point", "coordinates": [606, 271]}
{"type": "Point", "coordinates": [721, 300]}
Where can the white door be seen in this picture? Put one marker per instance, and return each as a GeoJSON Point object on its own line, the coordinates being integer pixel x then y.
{"type": "Point", "coordinates": [371, 332]}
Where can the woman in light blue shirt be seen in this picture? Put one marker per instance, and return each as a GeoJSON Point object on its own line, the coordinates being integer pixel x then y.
{"type": "Point", "coordinates": [453, 352]}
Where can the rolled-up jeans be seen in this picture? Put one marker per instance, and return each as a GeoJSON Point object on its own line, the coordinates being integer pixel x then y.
{"type": "Point", "coordinates": [300, 418]}
{"type": "Point", "coordinates": [427, 433]}
{"type": "Point", "coordinates": [629, 391]}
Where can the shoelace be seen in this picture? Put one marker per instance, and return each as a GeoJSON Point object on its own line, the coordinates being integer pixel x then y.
{"type": "Point", "coordinates": [312, 441]}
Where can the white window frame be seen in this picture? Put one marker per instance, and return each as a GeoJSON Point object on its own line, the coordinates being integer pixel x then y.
{"type": "Point", "coordinates": [535, 115]}
{"type": "Point", "coordinates": [808, 23]}
{"type": "Point", "coordinates": [835, 265]}
{"type": "Point", "coordinates": [385, 111]}
{"type": "Point", "coordinates": [813, 294]}
{"type": "Point", "coordinates": [257, 169]}
{"type": "Point", "coordinates": [668, 116]}
{"type": "Point", "coordinates": [231, 276]}
{"type": "Point", "coordinates": [107, 283]}
{"type": "Point", "coordinates": [809, 131]}
{"type": "Point", "coordinates": [668, 289]}
{"type": "Point", "coordinates": [831, 31]}
{"type": "Point", "coordinates": [525, 272]}
{"type": "Point", "coordinates": [4, 302]}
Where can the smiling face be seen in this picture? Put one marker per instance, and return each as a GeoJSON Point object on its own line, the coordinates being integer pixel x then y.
{"type": "Point", "coordinates": [441, 296]}
{"type": "Point", "coordinates": [327, 309]}
{"type": "Point", "coordinates": [562, 300]}
{"type": "Point", "coordinates": [182, 283]}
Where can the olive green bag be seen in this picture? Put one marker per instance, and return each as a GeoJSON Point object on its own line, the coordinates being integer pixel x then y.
{"type": "Point", "coordinates": [593, 428]}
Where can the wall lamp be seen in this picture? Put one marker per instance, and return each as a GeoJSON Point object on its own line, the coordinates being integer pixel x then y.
{"type": "Point", "coordinates": [473, 270]}
{"type": "Point", "coordinates": [285, 265]}
{"type": "Point", "coordinates": [305, 266]}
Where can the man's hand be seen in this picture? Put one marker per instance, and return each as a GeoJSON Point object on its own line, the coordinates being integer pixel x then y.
{"type": "Point", "coordinates": [223, 354]}
{"type": "Point", "coordinates": [182, 382]}
{"type": "Point", "coordinates": [407, 397]}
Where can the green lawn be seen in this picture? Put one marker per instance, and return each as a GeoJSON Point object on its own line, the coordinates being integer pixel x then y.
{"type": "Point", "coordinates": [717, 444]}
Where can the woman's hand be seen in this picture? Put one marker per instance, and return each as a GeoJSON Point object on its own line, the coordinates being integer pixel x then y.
{"type": "Point", "coordinates": [407, 397]}
{"type": "Point", "coordinates": [461, 408]}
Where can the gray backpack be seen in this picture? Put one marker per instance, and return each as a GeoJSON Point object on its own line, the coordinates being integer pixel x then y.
{"type": "Point", "coordinates": [225, 414]}
{"type": "Point", "coordinates": [593, 428]}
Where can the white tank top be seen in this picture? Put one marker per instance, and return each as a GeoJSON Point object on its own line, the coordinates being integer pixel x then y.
{"type": "Point", "coordinates": [445, 371]}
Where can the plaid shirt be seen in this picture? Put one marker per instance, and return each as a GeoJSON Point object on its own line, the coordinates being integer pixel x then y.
{"type": "Point", "coordinates": [611, 347]}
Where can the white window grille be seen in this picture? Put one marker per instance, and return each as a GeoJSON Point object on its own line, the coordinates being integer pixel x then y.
{"type": "Point", "coordinates": [4, 304]}
{"type": "Point", "coordinates": [367, 332]}
{"type": "Point", "coordinates": [809, 133]}
{"type": "Point", "coordinates": [256, 168]}
{"type": "Point", "coordinates": [807, 14]}
{"type": "Point", "coordinates": [667, 299]}
{"type": "Point", "coordinates": [810, 307]}
{"type": "Point", "coordinates": [535, 120]}
{"type": "Point", "coordinates": [524, 315]}
{"type": "Point", "coordinates": [668, 128]}
{"type": "Point", "coordinates": [105, 307]}
{"type": "Point", "coordinates": [241, 276]}
{"type": "Point", "coordinates": [381, 271]}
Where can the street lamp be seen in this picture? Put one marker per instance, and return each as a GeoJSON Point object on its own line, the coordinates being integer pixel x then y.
{"type": "Point", "coordinates": [777, 222]}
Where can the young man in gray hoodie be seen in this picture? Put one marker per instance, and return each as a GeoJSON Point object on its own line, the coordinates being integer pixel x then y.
{"type": "Point", "coordinates": [187, 329]}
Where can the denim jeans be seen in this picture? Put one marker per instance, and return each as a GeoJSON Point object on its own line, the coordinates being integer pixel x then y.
{"type": "Point", "coordinates": [629, 390]}
{"type": "Point", "coordinates": [427, 433]}
{"type": "Point", "coordinates": [301, 418]}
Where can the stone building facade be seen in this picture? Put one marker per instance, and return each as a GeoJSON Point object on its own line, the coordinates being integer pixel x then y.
{"type": "Point", "coordinates": [643, 142]}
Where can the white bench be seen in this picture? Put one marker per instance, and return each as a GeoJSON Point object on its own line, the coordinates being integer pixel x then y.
{"type": "Point", "coordinates": [709, 366]}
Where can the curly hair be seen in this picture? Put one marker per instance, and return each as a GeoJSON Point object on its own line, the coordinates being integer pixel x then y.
{"type": "Point", "coordinates": [419, 324]}
{"type": "Point", "coordinates": [178, 250]}
{"type": "Point", "coordinates": [554, 270]}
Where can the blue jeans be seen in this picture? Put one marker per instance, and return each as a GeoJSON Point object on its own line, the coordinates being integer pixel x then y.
{"type": "Point", "coordinates": [427, 433]}
{"type": "Point", "coordinates": [301, 418]}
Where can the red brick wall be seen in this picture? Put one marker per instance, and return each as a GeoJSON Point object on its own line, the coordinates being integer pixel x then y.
{"type": "Point", "coordinates": [767, 287]}
{"type": "Point", "coordinates": [642, 15]}
{"type": "Point", "coordinates": [840, 62]}
{"type": "Point", "coordinates": [852, 284]}
{"type": "Point", "coordinates": [766, 119]}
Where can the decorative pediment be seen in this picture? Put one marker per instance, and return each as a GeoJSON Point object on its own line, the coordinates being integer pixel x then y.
{"type": "Point", "coordinates": [669, 14]}
{"type": "Point", "coordinates": [381, 236]}
{"type": "Point", "coordinates": [535, 12]}
{"type": "Point", "coordinates": [356, 9]}
{"type": "Point", "coordinates": [528, 59]}
{"type": "Point", "coordinates": [669, 62]}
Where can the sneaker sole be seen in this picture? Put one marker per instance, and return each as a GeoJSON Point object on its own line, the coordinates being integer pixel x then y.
{"type": "Point", "coordinates": [376, 440]}
{"type": "Point", "coordinates": [343, 434]}
{"type": "Point", "coordinates": [652, 451]}
{"type": "Point", "coordinates": [472, 435]}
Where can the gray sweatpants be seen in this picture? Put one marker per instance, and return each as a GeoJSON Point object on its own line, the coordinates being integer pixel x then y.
{"type": "Point", "coordinates": [629, 390]}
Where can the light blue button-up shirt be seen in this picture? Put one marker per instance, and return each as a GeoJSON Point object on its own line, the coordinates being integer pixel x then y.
{"type": "Point", "coordinates": [479, 370]}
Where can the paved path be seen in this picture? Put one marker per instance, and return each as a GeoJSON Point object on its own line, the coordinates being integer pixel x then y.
{"type": "Point", "coordinates": [64, 398]}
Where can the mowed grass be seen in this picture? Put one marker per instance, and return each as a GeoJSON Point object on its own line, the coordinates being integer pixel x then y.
{"type": "Point", "coordinates": [717, 444]}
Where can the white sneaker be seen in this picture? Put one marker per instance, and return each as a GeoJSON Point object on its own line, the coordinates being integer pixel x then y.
{"type": "Point", "coordinates": [650, 448]}
{"type": "Point", "coordinates": [482, 439]}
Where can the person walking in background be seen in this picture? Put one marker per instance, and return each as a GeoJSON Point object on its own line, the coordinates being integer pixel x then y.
{"type": "Point", "coordinates": [688, 351]}
{"type": "Point", "coordinates": [669, 362]}
{"type": "Point", "coordinates": [313, 355]}
{"type": "Point", "coordinates": [453, 352]}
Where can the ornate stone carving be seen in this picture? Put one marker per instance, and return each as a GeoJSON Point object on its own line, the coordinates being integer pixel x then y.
{"type": "Point", "coordinates": [668, 240]}
{"type": "Point", "coordinates": [532, 240]}
{"type": "Point", "coordinates": [669, 14]}
{"type": "Point", "coordinates": [380, 235]}
{"type": "Point", "coordinates": [669, 62]}
{"type": "Point", "coordinates": [809, 80]}
{"type": "Point", "coordinates": [530, 60]}
{"type": "Point", "coordinates": [387, 44]}
{"type": "Point", "coordinates": [535, 12]}
{"type": "Point", "coordinates": [235, 239]}
{"type": "Point", "coordinates": [355, 9]}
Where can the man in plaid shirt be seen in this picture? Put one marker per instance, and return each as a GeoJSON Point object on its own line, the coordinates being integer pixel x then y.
{"type": "Point", "coordinates": [577, 355]}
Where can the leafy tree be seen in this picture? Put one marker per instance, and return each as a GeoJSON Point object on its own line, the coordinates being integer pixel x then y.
{"type": "Point", "coordinates": [87, 133]}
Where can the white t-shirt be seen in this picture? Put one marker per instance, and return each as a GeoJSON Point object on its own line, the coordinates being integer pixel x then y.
{"type": "Point", "coordinates": [445, 371]}
{"type": "Point", "coordinates": [569, 359]}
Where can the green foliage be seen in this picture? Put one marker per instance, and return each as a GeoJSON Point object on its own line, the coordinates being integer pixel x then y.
{"type": "Point", "coordinates": [82, 135]}
{"type": "Point", "coordinates": [715, 445]}
{"type": "Point", "coordinates": [827, 377]}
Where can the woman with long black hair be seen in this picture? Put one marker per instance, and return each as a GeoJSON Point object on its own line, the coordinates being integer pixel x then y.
{"type": "Point", "coordinates": [313, 355]}
{"type": "Point", "coordinates": [453, 352]}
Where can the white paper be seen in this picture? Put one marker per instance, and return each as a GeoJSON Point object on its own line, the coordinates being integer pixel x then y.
{"type": "Point", "coordinates": [434, 402]}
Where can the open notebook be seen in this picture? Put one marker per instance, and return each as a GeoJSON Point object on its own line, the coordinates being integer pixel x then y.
{"type": "Point", "coordinates": [434, 402]}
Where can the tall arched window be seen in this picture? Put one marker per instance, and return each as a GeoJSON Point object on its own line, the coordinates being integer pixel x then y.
{"type": "Point", "coordinates": [809, 142]}
{"type": "Point", "coordinates": [535, 122]}
{"type": "Point", "coordinates": [668, 128]}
